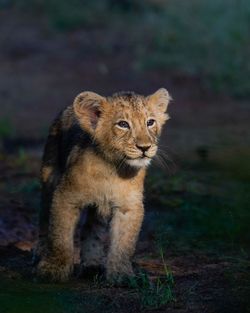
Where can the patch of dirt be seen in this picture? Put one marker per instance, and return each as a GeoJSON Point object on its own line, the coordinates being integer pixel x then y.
{"type": "Point", "coordinates": [201, 283]}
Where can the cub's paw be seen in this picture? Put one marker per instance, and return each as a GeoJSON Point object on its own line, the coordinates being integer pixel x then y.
{"type": "Point", "coordinates": [54, 270]}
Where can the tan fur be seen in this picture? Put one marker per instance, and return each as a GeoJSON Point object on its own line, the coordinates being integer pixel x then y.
{"type": "Point", "coordinates": [92, 160]}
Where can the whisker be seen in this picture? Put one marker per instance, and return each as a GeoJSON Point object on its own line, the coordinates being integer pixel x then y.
{"type": "Point", "coordinates": [166, 155]}
{"type": "Point", "coordinates": [161, 162]}
{"type": "Point", "coordinates": [170, 149]}
{"type": "Point", "coordinates": [121, 163]}
{"type": "Point", "coordinates": [165, 161]}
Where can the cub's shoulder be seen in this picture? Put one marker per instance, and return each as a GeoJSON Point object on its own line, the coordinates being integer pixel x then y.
{"type": "Point", "coordinates": [68, 137]}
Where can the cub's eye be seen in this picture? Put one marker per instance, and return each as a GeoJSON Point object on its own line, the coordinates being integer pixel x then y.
{"type": "Point", "coordinates": [150, 122]}
{"type": "Point", "coordinates": [123, 124]}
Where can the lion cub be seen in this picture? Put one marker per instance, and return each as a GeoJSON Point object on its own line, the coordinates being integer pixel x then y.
{"type": "Point", "coordinates": [96, 156]}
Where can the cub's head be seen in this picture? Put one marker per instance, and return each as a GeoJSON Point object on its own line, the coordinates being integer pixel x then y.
{"type": "Point", "coordinates": [125, 126]}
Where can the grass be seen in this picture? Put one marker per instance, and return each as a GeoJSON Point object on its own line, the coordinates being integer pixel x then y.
{"type": "Point", "coordinates": [150, 293]}
{"type": "Point", "coordinates": [154, 294]}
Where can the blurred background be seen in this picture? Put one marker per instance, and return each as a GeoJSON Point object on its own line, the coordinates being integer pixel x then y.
{"type": "Point", "coordinates": [197, 193]}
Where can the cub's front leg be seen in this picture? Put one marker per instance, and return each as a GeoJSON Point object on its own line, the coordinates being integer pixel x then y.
{"type": "Point", "coordinates": [125, 227]}
{"type": "Point", "coordinates": [57, 262]}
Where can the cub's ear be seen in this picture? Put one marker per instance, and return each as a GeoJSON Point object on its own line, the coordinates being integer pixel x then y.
{"type": "Point", "coordinates": [87, 107]}
{"type": "Point", "coordinates": [160, 100]}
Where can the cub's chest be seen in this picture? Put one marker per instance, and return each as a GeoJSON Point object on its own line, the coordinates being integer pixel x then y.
{"type": "Point", "coordinates": [107, 191]}
{"type": "Point", "coordinates": [102, 185]}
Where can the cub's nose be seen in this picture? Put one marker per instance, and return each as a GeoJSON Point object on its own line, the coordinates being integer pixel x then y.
{"type": "Point", "coordinates": [143, 148]}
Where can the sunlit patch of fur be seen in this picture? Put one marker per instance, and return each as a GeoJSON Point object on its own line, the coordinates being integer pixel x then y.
{"type": "Point", "coordinates": [46, 173]}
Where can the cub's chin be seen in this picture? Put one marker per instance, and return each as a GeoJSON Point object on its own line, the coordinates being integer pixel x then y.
{"type": "Point", "coordinates": [139, 162]}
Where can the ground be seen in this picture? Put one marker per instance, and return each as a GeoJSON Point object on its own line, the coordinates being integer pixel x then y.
{"type": "Point", "coordinates": [204, 251]}
{"type": "Point", "coordinates": [194, 244]}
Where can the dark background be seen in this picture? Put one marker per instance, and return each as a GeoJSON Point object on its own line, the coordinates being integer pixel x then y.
{"type": "Point", "coordinates": [197, 194]}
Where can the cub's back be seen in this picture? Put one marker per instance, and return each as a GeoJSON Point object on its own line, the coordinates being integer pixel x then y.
{"type": "Point", "coordinates": [66, 139]}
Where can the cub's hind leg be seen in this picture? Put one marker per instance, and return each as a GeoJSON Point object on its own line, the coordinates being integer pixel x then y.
{"type": "Point", "coordinates": [94, 243]}
{"type": "Point", "coordinates": [49, 176]}
{"type": "Point", "coordinates": [47, 190]}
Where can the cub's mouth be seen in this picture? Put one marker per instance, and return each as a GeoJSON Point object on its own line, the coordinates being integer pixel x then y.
{"type": "Point", "coordinates": [138, 158]}
{"type": "Point", "coordinates": [142, 161]}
